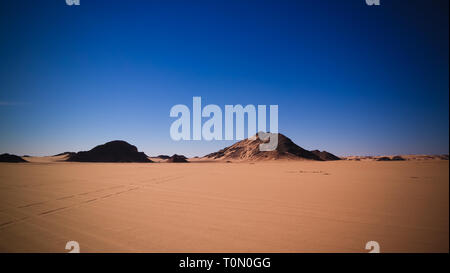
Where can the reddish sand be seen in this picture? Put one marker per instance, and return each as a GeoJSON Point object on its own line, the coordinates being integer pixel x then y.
{"type": "Point", "coordinates": [290, 206]}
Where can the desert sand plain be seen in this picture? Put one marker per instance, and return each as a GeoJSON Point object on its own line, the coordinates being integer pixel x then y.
{"type": "Point", "coordinates": [282, 206]}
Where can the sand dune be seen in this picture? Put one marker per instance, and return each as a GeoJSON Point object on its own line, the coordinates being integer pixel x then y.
{"type": "Point", "coordinates": [289, 206]}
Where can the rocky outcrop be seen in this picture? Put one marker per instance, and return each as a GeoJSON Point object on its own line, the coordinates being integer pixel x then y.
{"type": "Point", "coordinates": [177, 159]}
{"type": "Point", "coordinates": [114, 151]}
{"type": "Point", "coordinates": [11, 158]}
{"type": "Point", "coordinates": [248, 149]}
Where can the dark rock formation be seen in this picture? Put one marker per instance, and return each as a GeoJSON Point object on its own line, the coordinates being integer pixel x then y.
{"type": "Point", "coordinates": [65, 153]}
{"type": "Point", "coordinates": [398, 158]}
{"type": "Point", "coordinates": [114, 151]}
{"type": "Point", "coordinates": [177, 159]}
{"type": "Point", "coordinates": [324, 155]}
{"type": "Point", "coordinates": [11, 158]}
{"type": "Point", "coordinates": [384, 158]}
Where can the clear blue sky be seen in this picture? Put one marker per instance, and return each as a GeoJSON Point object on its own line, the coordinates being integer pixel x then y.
{"type": "Point", "coordinates": [348, 78]}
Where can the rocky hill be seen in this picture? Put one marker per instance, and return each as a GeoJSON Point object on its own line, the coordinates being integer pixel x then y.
{"type": "Point", "coordinates": [11, 158]}
{"type": "Point", "coordinates": [248, 149]}
{"type": "Point", "coordinates": [114, 151]}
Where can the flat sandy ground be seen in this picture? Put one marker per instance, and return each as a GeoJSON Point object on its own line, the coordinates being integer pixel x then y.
{"type": "Point", "coordinates": [225, 207]}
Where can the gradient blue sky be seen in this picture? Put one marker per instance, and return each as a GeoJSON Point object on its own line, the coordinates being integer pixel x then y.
{"type": "Point", "coordinates": [348, 78]}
